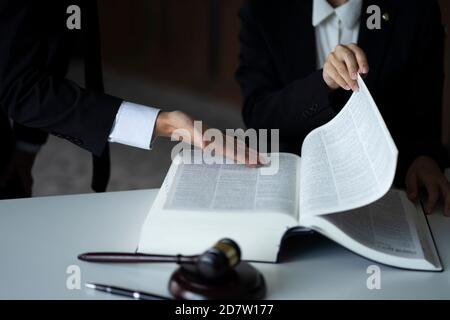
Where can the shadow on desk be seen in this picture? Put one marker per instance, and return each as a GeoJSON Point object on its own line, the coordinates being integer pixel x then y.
{"type": "Point", "coordinates": [298, 246]}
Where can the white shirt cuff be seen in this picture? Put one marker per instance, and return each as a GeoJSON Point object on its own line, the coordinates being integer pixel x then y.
{"type": "Point", "coordinates": [134, 125]}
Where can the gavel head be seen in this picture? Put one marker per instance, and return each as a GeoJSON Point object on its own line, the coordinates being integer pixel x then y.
{"type": "Point", "coordinates": [219, 260]}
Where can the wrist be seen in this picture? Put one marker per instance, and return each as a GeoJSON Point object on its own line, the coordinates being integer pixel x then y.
{"type": "Point", "coordinates": [163, 127]}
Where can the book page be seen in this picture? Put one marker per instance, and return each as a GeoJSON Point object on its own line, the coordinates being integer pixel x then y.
{"type": "Point", "coordinates": [387, 225]}
{"type": "Point", "coordinates": [392, 231]}
{"type": "Point", "coordinates": [201, 204]}
{"type": "Point", "coordinates": [237, 188]}
{"type": "Point", "coordinates": [349, 162]}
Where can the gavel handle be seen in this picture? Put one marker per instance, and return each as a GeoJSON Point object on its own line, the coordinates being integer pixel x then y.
{"type": "Point", "coordinates": [117, 257]}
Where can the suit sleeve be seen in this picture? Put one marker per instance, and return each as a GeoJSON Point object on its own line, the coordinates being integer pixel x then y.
{"type": "Point", "coordinates": [295, 108]}
{"type": "Point", "coordinates": [424, 135]}
{"type": "Point", "coordinates": [29, 135]}
{"type": "Point", "coordinates": [34, 97]}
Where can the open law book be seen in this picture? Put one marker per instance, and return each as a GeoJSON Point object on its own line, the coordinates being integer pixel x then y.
{"type": "Point", "coordinates": [339, 188]}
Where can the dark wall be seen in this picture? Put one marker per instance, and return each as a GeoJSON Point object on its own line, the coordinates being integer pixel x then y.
{"type": "Point", "coordinates": [193, 44]}
{"type": "Point", "coordinates": [445, 5]}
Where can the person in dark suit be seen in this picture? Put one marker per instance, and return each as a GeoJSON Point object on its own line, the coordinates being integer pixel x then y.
{"type": "Point", "coordinates": [41, 28]}
{"type": "Point", "coordinates": [36, 46]}
{"type": "Point", "coordinates": [300, 60]}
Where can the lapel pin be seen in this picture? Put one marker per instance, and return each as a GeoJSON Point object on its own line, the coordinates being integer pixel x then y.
{"type": "Point", "coordinates": [386, 17]}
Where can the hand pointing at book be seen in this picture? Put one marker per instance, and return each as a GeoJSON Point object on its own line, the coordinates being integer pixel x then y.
{"type": "Point", "coordinates": [180, 126]}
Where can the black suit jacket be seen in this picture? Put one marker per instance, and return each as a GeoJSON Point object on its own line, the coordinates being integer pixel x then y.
{"type": "Point", "coordinates": [35, 50]}
{"type": "Point", "coordinates": [283, 89]}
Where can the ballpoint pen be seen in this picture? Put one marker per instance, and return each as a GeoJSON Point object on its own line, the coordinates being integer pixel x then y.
{"type": "Point", "coordinates": [125, 292]}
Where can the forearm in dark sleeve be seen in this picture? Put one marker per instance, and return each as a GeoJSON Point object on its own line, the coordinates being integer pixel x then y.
{"type": "Point", "coordinates": [34, 97]}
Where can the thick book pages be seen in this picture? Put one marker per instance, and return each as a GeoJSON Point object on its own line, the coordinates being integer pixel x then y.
{"type": "Point", "coordinates": [393, 231]}
{"type": "Point", "coordinates": [339, 188]}
{"type": "Point", "coordinates": [200, 204]}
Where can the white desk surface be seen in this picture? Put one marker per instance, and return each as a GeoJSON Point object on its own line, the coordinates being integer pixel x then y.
{"type": "Point", "coordinates": [41, 237]}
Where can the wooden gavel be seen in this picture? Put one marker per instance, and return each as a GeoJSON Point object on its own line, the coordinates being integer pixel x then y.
{"type": "Point", "coordinates": [214, 263]}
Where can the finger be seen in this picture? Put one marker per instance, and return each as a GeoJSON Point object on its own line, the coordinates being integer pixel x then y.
{"type": "Point", "coordinates": [187, 135]}
{"type": "Point", "coordinates": [445, 191]}
{"type": "Point", "coordinates": [341, 67]}
{"type": "Point", "coordinates": [235, 150]}
{"type": "Point", "coordinates": [254, 158]}
{"type": "Point", "coordinates": [246, 155]}
{"type": "Point", "coordinates": [331, 72]}
{"type": "Point", "coordinates": [412, 187]}
{"type": "Point", "coordinates": [350, 60]}
{"type": "Point", "coordinates": [197, 138]}
{"type": "Point", "coordinates": [263, 160]}
{"type": "Point", "coordinates": [447, 205]}
{"type": "Point", "coordinates": [197, 130]}
{"type": "Point", "coordinates": [433, 195]}
{"type": "Point", "coordinates": [361, 58]}
{"type": "Point", "coordinates": [184, 128]}
{"type": "Point", "coordinates": [347, 57]}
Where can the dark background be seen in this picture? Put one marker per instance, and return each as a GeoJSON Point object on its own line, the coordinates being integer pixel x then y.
{"type": "Point", "coordinates": [189, 43]}
{"type": "Point", "coordinates": [173, 54]}
{"type": "Point", "coordinates": [193, 44]}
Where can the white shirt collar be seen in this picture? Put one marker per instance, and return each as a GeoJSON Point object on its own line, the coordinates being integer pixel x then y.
{"type": "Point", "coordinates": [349, 13]}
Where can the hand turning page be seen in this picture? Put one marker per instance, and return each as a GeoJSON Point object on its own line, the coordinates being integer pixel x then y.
{"type": "Point", "coordinates": [349, 162]}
